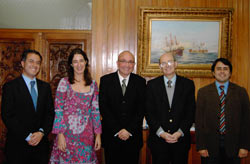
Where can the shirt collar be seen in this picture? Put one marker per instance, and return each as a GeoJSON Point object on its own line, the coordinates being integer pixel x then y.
{"type": "Point", "coordinates": [28, 80]}
{"type": "Point", "coordinates": [173, 80]}
{"type": "Point", "coordinates": [226, 84]}
{"type": "Point", "coordinates": [121, 78]}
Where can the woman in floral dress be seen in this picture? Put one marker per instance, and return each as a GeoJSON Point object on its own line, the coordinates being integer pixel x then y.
{"type": "Point", "coordinates": [77, 120]}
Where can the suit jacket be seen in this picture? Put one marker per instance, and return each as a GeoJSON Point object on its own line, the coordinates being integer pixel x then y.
{"type": "Point", "coordinates": [120, 111]}
{"type": "Point", "coordinates": [237, 116]}
{"type": "Point", "coordinates": [19, 115]}
{"type": "Point", "coordinates": [159, 113]}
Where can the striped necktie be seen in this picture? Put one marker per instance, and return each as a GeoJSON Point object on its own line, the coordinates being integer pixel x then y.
{"type": "Point", "coordinates": [222, 111]}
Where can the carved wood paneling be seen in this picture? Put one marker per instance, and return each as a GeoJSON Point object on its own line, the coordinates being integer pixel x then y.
{"type": "Point", "coordinates": [10, 68]}
{"type": "Point", "coordinates": [58, 55]}
{"type": "Point", "coordinates": [54, 46]}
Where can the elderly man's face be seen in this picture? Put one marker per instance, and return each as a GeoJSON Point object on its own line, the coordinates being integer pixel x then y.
{"type": "Point", "coordinates": [125, 64]}
{"type": "Point", "coordinates": [168, 65]}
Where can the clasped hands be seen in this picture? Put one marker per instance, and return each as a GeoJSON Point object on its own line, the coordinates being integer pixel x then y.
{"type": "Point", "coordinates": [35, 138]}
{"type": "Point", "coordinates": [123, 134]}
{"type": "Point", "coordinates": [242, 153]}
{"type": "Point", "coordinates": [171, 138]}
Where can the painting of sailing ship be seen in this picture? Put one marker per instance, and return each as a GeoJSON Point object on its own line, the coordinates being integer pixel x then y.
{"type": "Point", "coordinates": [192, 42]}
{"type": "Point", "coordinates": [173, 46]}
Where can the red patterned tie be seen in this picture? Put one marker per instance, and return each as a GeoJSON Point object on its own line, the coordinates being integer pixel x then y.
{"type": "Point", "coordinates": [222, 111]}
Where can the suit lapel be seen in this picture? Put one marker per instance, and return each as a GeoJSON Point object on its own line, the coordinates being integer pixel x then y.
{"type": "Point", "coordinates": [39, 90]}
{"type": "Point", "coordinates": [117, 85]}
{"type": "Point", "coordinates": [177, 90]}
{"type": "Point", "coordinates": [163, 90]}
{"type": "Point", "coordinates": [130, 87]}
{"type": "Point", "coordinates": [229, 95]}
{"type": "Point", "coordinates": [213, 92]}
{"type": "Point", "coordinates": [24, 91]}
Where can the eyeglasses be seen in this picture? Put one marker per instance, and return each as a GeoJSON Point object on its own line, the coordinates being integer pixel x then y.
{"type": "Point", "coordinates": [126, 62]}
{"type": "Point", "coordinates": [169, 63]}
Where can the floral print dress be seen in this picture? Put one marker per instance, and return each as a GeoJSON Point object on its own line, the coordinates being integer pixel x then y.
{"type": "Point", "coordinates": [77, 117]}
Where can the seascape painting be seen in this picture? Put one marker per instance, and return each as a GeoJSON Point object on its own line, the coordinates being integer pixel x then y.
{"type": "Point", "coordinates": [191, 41]}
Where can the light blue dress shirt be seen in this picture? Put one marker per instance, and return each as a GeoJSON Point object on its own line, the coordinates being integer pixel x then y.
{"type": "Point", "coordinates": [226, 84]}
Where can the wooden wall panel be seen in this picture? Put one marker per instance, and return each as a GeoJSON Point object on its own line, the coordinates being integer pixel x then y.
{"type": "Point", "coordinates": [54, 46]}
{"type": "Point", "coordinates": [114, 29]}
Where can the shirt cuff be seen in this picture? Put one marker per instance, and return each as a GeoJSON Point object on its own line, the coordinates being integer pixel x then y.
{"type": "Point", "coordinates": [118, 132]}
{"type": "Point", "coordinates": [28, 138]}
{"type": "Point", "coordinates": [182, 134]}
{"type": "Point", "coordinates": [159, 131]}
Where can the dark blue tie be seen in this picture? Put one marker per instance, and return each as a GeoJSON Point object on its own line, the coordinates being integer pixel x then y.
{"type": "Point", "coordinates": [33, 93]}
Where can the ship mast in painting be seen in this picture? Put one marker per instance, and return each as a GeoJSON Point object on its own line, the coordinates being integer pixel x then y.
{"type": "Point", "coordinates": [198, 48]}
{"type": "Point", "coordinates": [173, 45]}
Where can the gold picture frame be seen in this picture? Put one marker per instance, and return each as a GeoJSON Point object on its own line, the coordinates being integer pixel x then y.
{"type": "Point", "coordinates": [197, 36]}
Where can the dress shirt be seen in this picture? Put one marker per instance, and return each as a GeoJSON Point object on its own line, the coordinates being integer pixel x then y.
{"type": "Point", "coordinates": [27, 82]}
{"type": "Point", "coordinates": [173, 81]}
{"type": "Point", "coordinates": [126, 82]}
{"type": "Point", "coordinates": [121, 78]}
{"type": "Point", "coordinates": [226, 84]}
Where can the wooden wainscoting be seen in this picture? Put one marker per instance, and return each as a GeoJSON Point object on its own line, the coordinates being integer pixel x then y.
{"type": "Point", "coordinates": [54, 46]}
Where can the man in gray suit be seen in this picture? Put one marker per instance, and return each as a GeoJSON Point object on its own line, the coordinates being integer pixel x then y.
{"type": "Point", "coordinates": [222, 118]}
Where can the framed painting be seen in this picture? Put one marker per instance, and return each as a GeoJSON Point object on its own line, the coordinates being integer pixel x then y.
{"type": "Point", "coordinates": [195, 36]}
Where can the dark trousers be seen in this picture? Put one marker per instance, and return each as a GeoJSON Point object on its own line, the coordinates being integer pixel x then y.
{"type": "Point", "coordinates": [122, 154]}
{"type": "Point", "coordinates": [170, 153]}
{"type": "Point", "coordinates": [26, 154]}
{"type": "Point", "coordinates": [222, 158]}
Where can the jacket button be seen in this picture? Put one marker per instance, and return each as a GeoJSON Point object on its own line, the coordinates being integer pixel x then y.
{"type": "Point", "coordinates": [168, 131]}
{"type": "Point", "coordinates": [170, 120]}
{"type": "Point", "coordinates": [123, 102]}
{"type": "Point", "coordinates": [169, 110]}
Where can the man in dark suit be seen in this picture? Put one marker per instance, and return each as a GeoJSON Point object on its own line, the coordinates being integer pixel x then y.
{"type": "Point", "coordinates": [222, 118]}
{"type": "Point", "coordinates": [170, 107]}
{"type": "Point", "coordinates": [28, 113]}
{"type": "Point", "coordinates": [122, 108]}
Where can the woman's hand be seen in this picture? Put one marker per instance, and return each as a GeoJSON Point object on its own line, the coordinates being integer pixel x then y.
{"type": "Point", "coordinates": [97, 142]}
{"type": "Point", "coordinates": [61, 142]}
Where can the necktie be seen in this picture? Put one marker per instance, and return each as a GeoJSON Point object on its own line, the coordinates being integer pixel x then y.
{"type": "Point", "coordinates": [222, 111]}
{"type": "Point", "coordinates": [33, 93]}
{"type": "Point", "coordinates": [123, 86]}
{"type": "Point", "coordinates": [169, 83]}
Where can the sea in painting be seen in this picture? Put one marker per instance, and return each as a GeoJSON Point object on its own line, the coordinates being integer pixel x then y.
{"type": "Point", "coordinates": [187, 57]}
{"type": "Point", "coordinates": [192, 42]}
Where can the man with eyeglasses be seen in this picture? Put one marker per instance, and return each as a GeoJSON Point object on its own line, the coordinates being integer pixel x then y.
{"type": "Point", "coordinates": [121, 101]}
{"type": "Point", "coordinates": [222, 118]}
{"type": "Point", "coordinates": [170, 107]}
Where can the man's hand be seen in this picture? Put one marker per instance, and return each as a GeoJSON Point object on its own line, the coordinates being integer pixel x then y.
{"type": "Point", "coordinates": [35, 138]}
{"type": "Point", "coordinates": [204, 153]}
{"type": "Point", "coordinates": [61, 142]}
{"type": "Point", "coordinates": [168, 137]}
{"type": "Point", "coordinates": [123, 134]}
{"type": "Point", "coordinates": [176, 135]}
{"type": "Point", "coordinates": [243, 153]}
{"type": "Point", "coordinates": [97, 142]}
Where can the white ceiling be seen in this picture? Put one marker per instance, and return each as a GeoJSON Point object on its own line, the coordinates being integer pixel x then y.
{"type": "Point", "coordinates": [45, 14]}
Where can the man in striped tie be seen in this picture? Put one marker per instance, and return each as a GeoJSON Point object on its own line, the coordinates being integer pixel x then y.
{"type": "Point", "coordinates": [222, 118]}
